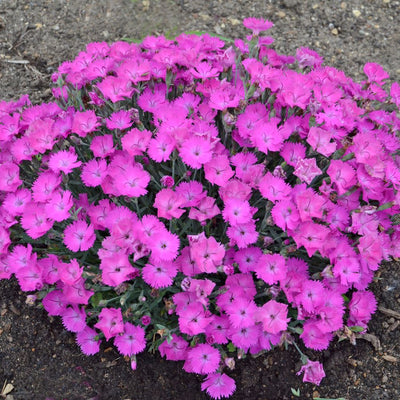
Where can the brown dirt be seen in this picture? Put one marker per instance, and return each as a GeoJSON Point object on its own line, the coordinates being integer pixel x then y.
{"type": "Point", "coordinates": [37, 355]}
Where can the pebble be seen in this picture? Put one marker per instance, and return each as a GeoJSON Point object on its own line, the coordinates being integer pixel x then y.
{"type": "Point", "coordinates": [334, 31]}
{"type": "Point", "coordinates": [281, 14]}
{"type": "Point", "coordinates": [385, 378]}
{"type": "Point", "coordinates": [356, 13]}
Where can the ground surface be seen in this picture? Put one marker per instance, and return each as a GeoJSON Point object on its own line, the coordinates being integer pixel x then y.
{"type": "Point", "coordinates": [37, 356]}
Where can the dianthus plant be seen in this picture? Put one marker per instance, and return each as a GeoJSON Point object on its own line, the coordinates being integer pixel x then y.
{"type": "Point", "coordinates": [202, 198]}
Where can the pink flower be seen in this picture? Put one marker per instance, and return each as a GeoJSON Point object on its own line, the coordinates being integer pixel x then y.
{"type": "Point", "coordinates": [102, 146]}
{"type": "Point", "coordinates": [242, 235]}
{"type": "Point", "coordinates": [204, 70]}
{"type": "Point", "coordinates": [206, 252]}
{"type": "Point", "coordinates": [257, 25]}
{"type": "Point", "coordinates": [165, 247]}
{"type": "Point", "coordinates": [160, 274]}
{"type": "Point", "coordinates": [192, 319]}
{"type": "Point", "coordinates": [313, 337]}
{"type": "Point", "coordinates": [342, 175]}
{"type": "Point", "coordinates": [45, 185]}
{"type": "Point", "coordinates": [74, 318]}
{"type": "Point", "coordinates": [88, 341]}
{"type": "Point", "coordinates": [273, 316]}
{"type": "Point", "coordinates": [206, 209]}
{"type": "Point", "coordinates": [54, 302]}
{"type": "Point", "coordinates": [362, 306]}
{"type": "Point", "coordinates": [116, 269]}
{"type": "Point", "coordinates": [285, 214]}
{"type": "Point", "coordinates": [132, 181]}
{"type": "Point", "coordinates": [320, 140]}
{"type": "Point", "coordinates": [202, 359]}
{"type": "Point", "coordinates": [307, 169]}
{"type": "Point", "coordinates": [79, 236]}
{"type": "Point", "coordinates": [312, 296]}
{"type": "Point", "coordinates": [131, 341]}
{"type": "Point", "coordinates": [16, 202]}
{"type": "Point", "coordinates": [71, 272]}
{"type": "Point", "coordinates": [119, 120]}
{"type": "Point", "coordinates": [313, 372]}
{"type": "Point", "coordinates": [115, 88]}
{"type": "Point", "coordinates": [196, 151]}
{"type": "Point", "coordinates": [237, 212]}
{"type": "Point", "coordinates": [175, 349]}
{"type": "Point", "coordinates": [271, 268]}
{"type": "Point", "coordinates": [192, 191]}
{"type": "Point", "coordinates": [161, 147]}
{"type": "Point", "coordinates": [308, 58]}
{"type": "Point", "coordinates": [135, 141]}
{"type": "Point", "coordinates": [35, 220]}
{"type": "Point", "coordinates": [110, 322]}
{"type": "Point", "coordinates": [94, 172]}
{"type": "Point", "coordinates": [247, 258]}
{"type": "Point", "coordinates": [217, 329]}
{"type": "Point", "coordinates": [219, 385]}
{"type": "Point", "coordinates": [241, 313]}
{"type": "Point", "coordinates": [64, 161]}
{"type": "Point", "coordinates": [85, 122]}
{"type": "Point", "coordinates": [218, 171]}
{"type": "Point", "coordinates": [168, 204]}
{"type": "Point", "coordinates": [274, 188]}
{"type": "Point", "coordinates": [375, 73]}
{"type": "Point", "coordinates": [59, 205]}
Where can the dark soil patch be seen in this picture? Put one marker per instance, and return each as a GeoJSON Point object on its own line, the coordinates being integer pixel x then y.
{"type": "Point", "coordinates": [37, 355]}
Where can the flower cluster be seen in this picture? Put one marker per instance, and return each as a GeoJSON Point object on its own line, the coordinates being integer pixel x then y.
{"type": "Point", "coordinates": [201, 199]}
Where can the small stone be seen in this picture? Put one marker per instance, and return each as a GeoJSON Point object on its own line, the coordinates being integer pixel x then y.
{"type": "Point", "coordinates": [315, 6]}
{"type": "Point", "coordinates": [386, 1]}
{"type": "Point", "coordinates": [335, 32]}
{"type": "Point", "coordinates": [343, 5]}
{"type": "Point", "coordinates": [356, 13]}
{"type": "Point", "coordinates": [281, 14]}
{"type": "Point", "coordinates": [234, 21]}
{"type": "Point", "coordinates": [385, 378]}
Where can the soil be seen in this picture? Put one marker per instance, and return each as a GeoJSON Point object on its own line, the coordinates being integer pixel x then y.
{"type": "Point", "coordinates": [37, 356]}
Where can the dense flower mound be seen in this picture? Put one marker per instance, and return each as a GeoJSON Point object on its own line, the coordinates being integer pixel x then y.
{"type": "Point", "coordinates": [202, 199]}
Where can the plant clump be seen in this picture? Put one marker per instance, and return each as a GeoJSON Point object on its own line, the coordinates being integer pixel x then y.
{"type": "Point", "coordinates": [203, 198]}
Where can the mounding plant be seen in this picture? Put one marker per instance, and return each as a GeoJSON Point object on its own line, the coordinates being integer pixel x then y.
{"type": "Point", "coordinates": [203, 198]}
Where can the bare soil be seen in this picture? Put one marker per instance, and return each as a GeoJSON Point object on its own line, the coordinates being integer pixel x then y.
{"type": "Point", "coordinates": [37, 356]}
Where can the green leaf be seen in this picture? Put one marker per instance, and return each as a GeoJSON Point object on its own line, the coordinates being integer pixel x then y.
{"type": "Point", "coordinates": [95, 299]}
{"type": "Point", "coordinates": [295, 392]}
{"type": "Point", "coordinates": [357, 329]}
{"type": "Point", "coordinates": [231, 347]}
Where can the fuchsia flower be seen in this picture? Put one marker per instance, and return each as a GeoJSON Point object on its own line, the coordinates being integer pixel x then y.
{"type": "Point", "coordinates": [110, 322]}
{"type": "Point", "coordinates": [87, 341]}
{"type": "Point", "coordinates": [273, 316]}
{"type": "Point", "coordinates": [257, 25]}
{"type": "Point", "coordinates": [202, 359]}
{"type": "Point", "coordinates": [9, 177]}
{"type": "Point", "coordinates": [79, 236]}
{"type": "Point", "coordinates": [313, 372]}
{"type": "Point", "coordinates": [160, 274]}
{"type": "Point", "coordinates": [206, 252]}
{"type": "Point", "coordinates": [131, 341]}
{"type": "Point", "coordinates": [64, 161]}
{"type": "Point", "coordinates": [94, 172]}
{"type": "Point", "coordinates": [74, 318]}
{"type": "Point", "coordinates": [85, 122]}
{"type": "Point", "coordinates": [175, 349]}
